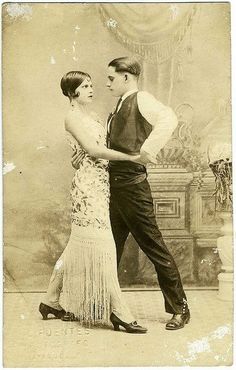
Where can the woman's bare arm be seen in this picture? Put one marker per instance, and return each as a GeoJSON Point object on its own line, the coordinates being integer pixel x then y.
{"type": "Point", "coordinates": [89, 143]}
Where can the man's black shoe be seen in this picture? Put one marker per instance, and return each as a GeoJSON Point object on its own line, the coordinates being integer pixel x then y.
{"type": "Point", "coordinates": [178, 321]}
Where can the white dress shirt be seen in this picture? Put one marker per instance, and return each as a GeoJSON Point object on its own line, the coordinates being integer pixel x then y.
{"type": "Point", "coordinates": [162, 119]}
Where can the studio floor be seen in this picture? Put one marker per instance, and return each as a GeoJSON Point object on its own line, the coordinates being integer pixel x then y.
{"type": "Point", "coordinates": [30, 341]}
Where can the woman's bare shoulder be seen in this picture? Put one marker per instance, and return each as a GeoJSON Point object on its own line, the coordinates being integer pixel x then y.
{"type": "Point", "coordinates": [73, 118]}
{"type": "Point", "coordinates": [73, 114]}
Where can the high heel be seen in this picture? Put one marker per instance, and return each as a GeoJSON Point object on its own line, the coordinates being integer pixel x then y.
{"type": "Point", "coordinates": [116, 326]}
{"type": "Point", "coordinates": [133, 327]}
{"type": "Point", "coordinates": [45, 310]}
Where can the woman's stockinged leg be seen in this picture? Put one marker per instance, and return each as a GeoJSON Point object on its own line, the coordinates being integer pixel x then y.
{"type": "Point", "coordinates": [121, 315]}
{"type": "Point", "coordinates": [118, 304]}
{"type": "Point", "coordinates": [55, 286]}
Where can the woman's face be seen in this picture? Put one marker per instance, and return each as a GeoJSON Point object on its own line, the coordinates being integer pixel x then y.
{"type": "Point", "coordinates": [85, 92]}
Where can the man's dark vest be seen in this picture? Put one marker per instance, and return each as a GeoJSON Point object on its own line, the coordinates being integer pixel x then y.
{"type": "Point", "coordinates": [128, 131]}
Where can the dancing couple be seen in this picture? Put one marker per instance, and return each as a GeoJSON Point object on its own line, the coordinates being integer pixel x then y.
{"type": "Point", "coordinates": [110, 199]}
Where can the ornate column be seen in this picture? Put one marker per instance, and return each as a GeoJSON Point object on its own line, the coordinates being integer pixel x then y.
{"type": "Point", "coordinates": [222, 170]}
{"type": "Point", "coordinates": [218, 146]}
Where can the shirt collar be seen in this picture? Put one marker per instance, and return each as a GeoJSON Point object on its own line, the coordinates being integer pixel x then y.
{"type": "Point", "coordinates": [128, 93]}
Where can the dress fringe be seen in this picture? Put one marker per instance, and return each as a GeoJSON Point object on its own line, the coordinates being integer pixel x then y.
{"type": "Point", "coordinates": [88, 265]}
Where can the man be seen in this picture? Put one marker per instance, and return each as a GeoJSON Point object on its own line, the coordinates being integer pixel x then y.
{"type": "Point", "coordinates": [140, 124]}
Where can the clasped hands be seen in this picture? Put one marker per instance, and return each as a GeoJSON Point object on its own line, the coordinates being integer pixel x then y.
{"type": "Point", "coordinates": [143, 158]}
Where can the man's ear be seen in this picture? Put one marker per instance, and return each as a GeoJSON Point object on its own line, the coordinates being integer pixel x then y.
{"type": "Point", "coordinates": [126, 77]}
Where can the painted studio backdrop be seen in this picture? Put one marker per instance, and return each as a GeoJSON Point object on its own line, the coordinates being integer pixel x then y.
{"type": "Point", "coordinates": [184, 50]}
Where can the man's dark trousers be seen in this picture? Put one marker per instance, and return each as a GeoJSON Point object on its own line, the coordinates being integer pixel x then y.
{"type": "Point", "coordinates": [131, 210]}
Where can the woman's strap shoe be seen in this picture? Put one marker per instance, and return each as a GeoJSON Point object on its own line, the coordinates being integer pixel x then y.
{"type": "Point", "coordinates": [44, 309]}
{"type": "Point", "coordinates": [178, 321]}
{"type": "Point", "coordinates": [133, 327]}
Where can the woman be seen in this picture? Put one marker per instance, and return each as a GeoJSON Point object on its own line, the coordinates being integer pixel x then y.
{"type": "Point", "coordinates": [87, 270]}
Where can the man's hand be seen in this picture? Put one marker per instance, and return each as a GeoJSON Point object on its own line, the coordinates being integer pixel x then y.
{"type": "Point", "coordinates": [77, 158]}
{"type": "Point", "coordinates": [146, 158]}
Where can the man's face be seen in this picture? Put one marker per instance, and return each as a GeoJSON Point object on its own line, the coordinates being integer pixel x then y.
{"type": "Point", "coordinates": [116, 82]}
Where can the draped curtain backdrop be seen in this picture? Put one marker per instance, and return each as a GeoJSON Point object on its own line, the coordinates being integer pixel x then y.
{"type": "Point", "coordinates": [154, 32]}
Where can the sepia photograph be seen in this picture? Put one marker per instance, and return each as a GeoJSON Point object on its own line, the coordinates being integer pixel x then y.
{"type": "Point", "coordinates": [117, 184]}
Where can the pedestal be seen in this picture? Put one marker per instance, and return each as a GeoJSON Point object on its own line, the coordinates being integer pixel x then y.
{"type": "Point", "coordinates": [225, 249]}
{"type": "Point", "coordinates": [170, 191]}
{"type": "Point", "coordinates": [225, 286]}
{"type": "Point", "coordinates": [205, 227]}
